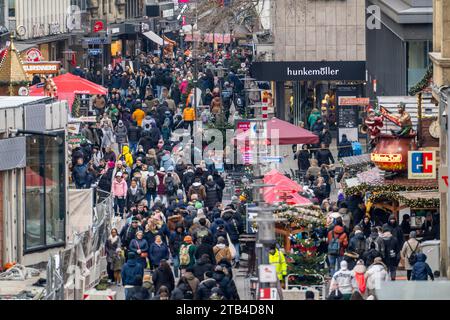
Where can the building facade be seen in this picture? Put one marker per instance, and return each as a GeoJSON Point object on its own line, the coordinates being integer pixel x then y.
{"type": "Point", "coordinates": [398, 46]}
{"type": "Point", "coordinates": [441, 92]}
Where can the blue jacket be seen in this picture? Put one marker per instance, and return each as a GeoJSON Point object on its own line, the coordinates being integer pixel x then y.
{"type": "Point", "coordinates": [80, 176]}
{"type": "Point", "coordinates": [130, 271]}
{"type": "Point", "coordinates": [136, 244]}
{"type": "Point", "coordinates": [217, 222]}
{"type": "Point", "coordinates": [157, 253]}
{"type": "Point", "coordinates": [421, 270]}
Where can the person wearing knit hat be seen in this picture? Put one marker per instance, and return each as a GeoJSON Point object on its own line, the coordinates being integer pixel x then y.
{"type": "Point", "coordinates": [358, 272]}
{"type": "Point", "coordinates": [344, 279]}
{"type": "Point", "coordinates": [187, 253]}
{"type": "Point", "coordinates": [409, 252]}
{"type": "Point", "coordinates": [375, 275]}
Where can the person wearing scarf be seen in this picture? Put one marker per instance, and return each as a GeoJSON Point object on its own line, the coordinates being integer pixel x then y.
{"type": "Point", "coordinates": [112, 244]}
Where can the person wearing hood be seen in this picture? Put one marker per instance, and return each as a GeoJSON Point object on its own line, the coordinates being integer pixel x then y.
{"type": "Point", "coordinates": [163, 276]}
{"type": "Point", "coordinates": [127, 156]}
{"type": "Point", "coordinates": [277, 258]}
{"type": "Point", "coordinates": [345, 280]}
{"type": "Point", "coordinates": [395, 229]}
{"type": "Point", "coordinates": [183, 291]}
{"type": "Point", "coordinates": [198, 189]}
{"type": "Point", "coordinates": [131, 272]}
{"type": "Point", "coordinates": [213, 193]}
{"type": "Point", "coordinates": [375, 275]}
{"type": "Point", "coordinates": [357, 242]}
{"type": "Point", "coordinates": [205, 247]}
{"type": "Point", "coordinates": [409, 253]}
{"type": "Point", "coordinates": [155, 135]}
{"type": "Point", "coordinates": [161, 173]}
{"type": "Point", "coordinates": [359, 272]}
{"type": "Point", "coordinates": [222, 251]}
{"type": "Point", "coordinates": [392, 251]}
{"type": "Point", "coordinates": [201, 266]}
{"type": "Point", "coordinates": [378, 243]}
{"type": "Point", "coordinates": [366, 226]}
{"type": "Point", "coordinates": [421, 270]}
{"type": "Point", "coordinates": [80, 175]}
{"type": "Point", "coordinates": [188, 178]}
{"type": "Point", "coordinates": [225, 283]}
{"type": "Point", "coordinates": [337, 243]}
{"type": "Point", "coordinates": [151, 186]}
{"type": "Point", "coordinates": [189, 118]}
{"type": "Point", "coordinates": [162, 294]}
{"type": "Point", "coordinates": [175, 241]}
{"type": "Point", "coordinates": [167, 161]}
{"type": "Point", "coordinates": [121, 133]}
{"type": "Point", "coordinates": [233, 228]}
{"type": "Point", "coordinates": [345, 148]}
{"type": "Point", "coordinates": [315, 114]}
{"type": "Point", "coordinates": [205, 286]}
{"type": "Point", "coordinates": [146, 123]}
{"type": "Point", "coordinates": [430, 228]}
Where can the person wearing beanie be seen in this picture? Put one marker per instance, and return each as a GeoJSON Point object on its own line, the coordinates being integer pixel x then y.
{"type": "Point", "coordinates": [395, 229]}
{"type": "Point", "coordinates": [187, 253]}
{"type": "Point", "coordinates": [392, 250]}
{"type": "Point", "coordinates": [132, 271]}
{"type": "Point", "coordinates": [205, 286]}
{"type": "Point", "coordinates": [344, 279]}
{"type": "Point", "coordinates": [358, 242]}
{"type": "Point", "coordinates": [409, 252]}
{"type": "Point", "coordinates": [421, 270]}
{"type": "Point", "coordinates": [376, 274]}
{"type": "Point", "coordinates": [358, 273]}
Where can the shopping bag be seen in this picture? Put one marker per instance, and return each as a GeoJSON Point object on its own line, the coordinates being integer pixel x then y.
{"type": "Point", "coordinates": [231, 246]}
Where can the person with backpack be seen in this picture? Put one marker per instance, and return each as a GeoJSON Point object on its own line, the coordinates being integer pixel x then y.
{"type": "Point", "coordinates": [225, 283]}
{"type": "Point", "coordinates": [409, 252]}
{"type": "Point", "coordinates": [183, 291]}
{"type": "Point", "coordinates": [151, 186]}
{"type": "Point", "coordinates": [357, 243]}
{"type": "Point", "coordinates": [130, 273]}
{"type": "Point", "coordinates": [197, 189]}
{"type": "Point", "coordinates": [222, 251]}
{"type": "Point", "coordinates": [202, 265]}
{"type": "Point", "coordinates": [375, 239]}
{"type": "Point", "coordinates": [337, 241]}
{"type": "Point", "coordinates": [392, 251]}
{"type": "Point", "coordinates": [344, 279]}
{"type": "Point", "coordinates": [171, 184]}
{"type": "Point", "coordinates": [370, 254]}
{"type": "Point", "coordinates": [187, 253]}
{"type": "Point", "coordinates": [205, 245]}
{"type": "Point", "coordinates": [421, 270]}
{"type": "Point", "coordinates": [213, 193]}
{"type": "Point", "coordinates": [232, 227]}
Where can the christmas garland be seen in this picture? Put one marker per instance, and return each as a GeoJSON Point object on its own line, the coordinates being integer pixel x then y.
{"type": "Point", "coordinates": [300, 217]}
{"type": "Point", "coordinates": [364, 187]}
{"type": "Point", "coordinates": [416, 203]}
{"type": "Point", "coordinates": [422, 84]}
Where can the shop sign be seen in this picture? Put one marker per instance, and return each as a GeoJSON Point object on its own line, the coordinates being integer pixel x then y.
{"type": "Point", "coordinates": [83, 119]}
{"type": "Point", "coordinates": [443, 179]}
{"type": "Point", "coordinates": [349, 101]}
{"type": "Point", "coordinates": [167, 13]}
{"type": "Point", "coordinates": [422, 164]}
{"type": "Point", "coordinates": [33, 55]}
{"type": "Point", "coordinates": [267, 273]}
{"type": "Point", "coordinates": [38, 30]}
{"type": "Point", "coordinates": [243, 125]}
{"type": "Point", "coordinates": [41, 67]}
{"type": "Point", "coordinates": [390, 158]}
{"type": "Point", "coordinates": [54, 28]}
{"type": "Point", "coordinates": [95, 52]}
{"type": "Point", "coordinates": [268, 294]}
{"type": "Point", "coordinates": [308, 70]}
{"type": "Point", "coordinates": [97, 40]}
{"type": "Point", "coordinates": [73, 128]}
{"type": "Point", "coordinates": [98, 26]}
{"type": "Point", "coordinates": [75, 139]}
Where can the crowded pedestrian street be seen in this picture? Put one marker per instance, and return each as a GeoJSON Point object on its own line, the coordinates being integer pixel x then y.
{"type": "Point", "coordinates": [224, 150]}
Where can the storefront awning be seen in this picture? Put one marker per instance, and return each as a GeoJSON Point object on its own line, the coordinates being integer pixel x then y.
{"type": "Point", "coordinates": [154, 37]}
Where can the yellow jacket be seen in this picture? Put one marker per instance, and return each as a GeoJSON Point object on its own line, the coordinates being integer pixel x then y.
{"type": "Point", "coordinates": [127, 157]}
{"type": "Point", "coordinates": [279, 261]}
{"type": "Point", "coordinates": [189, 114]}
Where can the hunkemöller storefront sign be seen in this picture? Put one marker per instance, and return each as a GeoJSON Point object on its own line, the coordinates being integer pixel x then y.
{"type": "Point", "coordinates": [308, 70]}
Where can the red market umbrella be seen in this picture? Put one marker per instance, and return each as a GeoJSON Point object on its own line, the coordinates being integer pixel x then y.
{"type": "Point", "coordinates": [281, 182]}
{"type": "Point", "coordinates": [293, 198]}
{"type": "Point", "coordinates": [68, 86]}
{"type": "Point", "coordinates": [283, 133]}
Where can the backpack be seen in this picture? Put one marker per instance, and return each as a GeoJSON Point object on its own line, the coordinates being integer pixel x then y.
{"type": "Point", "coordinates": [334, 247]}
{"type": "Point", "coordinates": [360, 246]}
{"type": "Point", "coordinates": [412, 259]}
{"type": "Point", "coordinates": [170, 187]}
{"type": "Point", "coordinates": [390, 252]}
{"type": "Point", "coordinates": [369, 243]}
{"type": "Point", "coordinates": [203, 232]}
{"type": "Point", "coordinates": [151, 183]}
{"type": "Point", "coordinates": [185, 258]}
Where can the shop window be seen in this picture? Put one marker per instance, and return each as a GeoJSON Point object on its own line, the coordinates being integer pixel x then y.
{"type": "Point", "coordinates": [45, 193]}
{"type": "Point", "coordinates": [417, 60]}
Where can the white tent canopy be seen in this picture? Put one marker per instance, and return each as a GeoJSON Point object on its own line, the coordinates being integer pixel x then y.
{"type": "Point", "coordinates": [155, 38]}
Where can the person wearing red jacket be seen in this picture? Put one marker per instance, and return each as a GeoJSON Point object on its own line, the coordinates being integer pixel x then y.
{"type": "Point", "coordinates": [337, 241]}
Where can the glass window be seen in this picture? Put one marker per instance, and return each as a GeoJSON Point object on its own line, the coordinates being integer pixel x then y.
{"type": "Point", "coordinates": [45, 192]}
{"type": "Point", "coordinates": [12, 8]}
{"type": "Point", "coordinates": [417, 60]}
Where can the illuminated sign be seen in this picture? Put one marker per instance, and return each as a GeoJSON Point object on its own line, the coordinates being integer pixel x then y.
{"type": "Point", "coordinates": [349, 101]}
{"type": "Point", "coordinates": [380, 157]}
{"type": "Point", "coordinates": [43, 67]}
{"type": "Point", "coordinates": [422, 165]}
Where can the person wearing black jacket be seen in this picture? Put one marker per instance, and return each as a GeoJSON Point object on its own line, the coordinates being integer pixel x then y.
{"type": "Point", "coordinates": [324, 156]}
{"type": "Point", "coordinates": [325, 136]}
{"type": "Point", "coordinates": [205, 247]}
{"type": "Point", "coordinates": [134, 134]}
{"type": "Point", "coordinates": [303, 157]}
{"type": "Point", "coordinates": [225, 283]}
{"type": "Point", "coordinates": [232, 226]}
{"type": "Point", "coordinates": [213, 193]}
{"type": "Point", "coordinates": [430, 228]}
{"type": "Point", "coordinates": [395, 229]}
{"type": "Point", "coordinates": [134, 194]}
{"type": "Point", "coordinates": [163, 276]}
{"type": "Point", "coordinates": [175, 241]}
{"type": "Point", "coordinates": [345, 148]}
{"type": "Point", "coordinates": [142, 81]}
{"type": "Point", "coordinates": [219, 180]}
{"type": "Point", "coordinates": [205, 286]}
{"type": "Point", "coordinates": [201, 266]}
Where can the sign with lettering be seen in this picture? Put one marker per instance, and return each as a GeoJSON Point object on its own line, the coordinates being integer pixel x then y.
{"type": "Point", "coordinates": [349, 101]}
{"type": "Point", "coordinates": [33, 55]}
{"type": "Point", "coordinates": [267, 273]}
{"type": "Point", "coordinates": [41, 67]}
{"type": "Point", "coordinates": [54, 28]}
{"type": "Point", "coordinates": [308, 70]}
{"type": "Point", "coordinates": [422, 164]}
{"type": "Point", "coordinates": [443, 179]}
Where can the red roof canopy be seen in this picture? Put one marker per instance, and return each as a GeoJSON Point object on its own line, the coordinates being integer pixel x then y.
{"type": "Point", "coordinates": [285, 132]}
{"type": "Point", "coordinates": [70, 85]}
{"type": "Point", "coordinates": [283, 186]}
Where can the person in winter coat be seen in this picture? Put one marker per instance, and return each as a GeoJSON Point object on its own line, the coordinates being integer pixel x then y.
{"type": "Point", "coordinates": [183, 291]}
{"type": "Point", "coordinates": [421, 270]}
{"type": "Point", "coordinates": [187, 253]}
{"type": "Point", "coordinates": [359, 272]}
{"type": "Point", "coordinates": [370, 255]}
{"type": "Point", "coordinates": [127, 156]}
{"type": "Point", "coordinates": [277, 258]}
{"type": "Point", "coordinates": [189, 118]}
{"type": "Point", "coordinates": [410, 247]}
{"type": "Point", "coordinates": [395, 229]}
{"type": "Point", "coordinates": [134, 134]}
{"type": "Point", "coordinates": [345, 280]}
{"type": "Point", "coordinates": [119, 192]}
{"type": "Point", "coordinates": [232, 226]}
{"type": "Point", "coordinates": [121, 133]}
{"type": "Point", "coordinates": [135, 194]}
{"type": "Point", "coordinates": [198, 189]}
{"type": "Point", "coordinates": [175, 241]}
{"type": "Point", "coordinates": [325, 137]}
{"type": "Point", "coordinates": [129, 231]}
{"type": "Point", "coordinates": [140, 246]}
{"type": "Point", "coordinates": [205, 247]}
{"type": "Point", "coordinates": [324, 156]}
{"type": "Point", "coordinates": [111, 245]}
{"type": "Point", "coordinates": [377, 241]}
{"type": "Point", "coordinates": [202, 265]}
{"type": "Point", "coordinates": [158, 251]}
{"type": "Point", "coordinates": [222, 251]}
{"type": "Point", "coordinates": [430, 228]}
{"type": "Point", "coordinates": [225, 283]}
{"type": "Point", "coordinates": [163, 276]}
{"type": "Point", "coordinates": [205, 286]}
{"type": "Point", "coordinates": [138, 116]}
{"type": "Point", "coordinates": [313, 171]}
{"type": "Point", "coordinates": [303, 159]}
{"type": "Point", "coordinates": [336, 252]}
{"type": "Point", "coordinates": [315, 114]}
{"type": "Point", "coordinates": [366, 226]}
{"type": "Point", "coordinates": [357, 242]}
{"type": "Point", "coordinates": [80, 174]}
{"type": "Point", "coordinates": [375, 275]}
{"type": "Point", "coordinates": [167, 162]}
{"type": "Point", "coordinates": [162, 294]}
{"type": "Point", "coordinates": [345, 148]}
{"type": "Point", "coordinates": [392, 251]}
{"type": "Point", "coordinates": [213, 193]}
{"type": "Point", "coordinates": [131, 272]}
